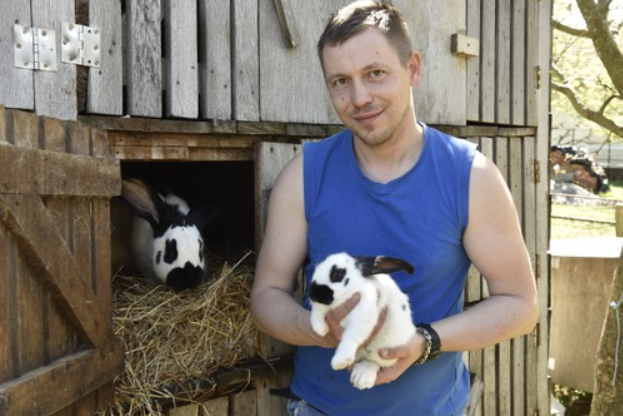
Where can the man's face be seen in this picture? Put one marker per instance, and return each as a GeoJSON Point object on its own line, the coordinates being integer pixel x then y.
{"type": "Point", "coordinates": [369, 87]}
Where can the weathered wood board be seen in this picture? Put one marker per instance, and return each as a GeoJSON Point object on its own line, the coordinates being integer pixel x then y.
{"type": "Point", "coordinates": [105, 89]}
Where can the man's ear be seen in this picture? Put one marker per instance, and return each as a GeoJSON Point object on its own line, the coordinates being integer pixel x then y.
{"type": "Point", "coordinates": [414, 66]}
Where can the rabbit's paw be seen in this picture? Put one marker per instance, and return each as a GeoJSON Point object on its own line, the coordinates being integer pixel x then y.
{"type": "Point", "coordinates": [344, 356]}
{"type": "Point", "coordinates": [363, 375]}
{"type": "Point", "coordinates": [318, 324]}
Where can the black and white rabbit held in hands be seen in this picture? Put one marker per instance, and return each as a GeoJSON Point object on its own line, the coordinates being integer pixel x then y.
{"type": "Point", "coordinates": [166, 239]}
{"type": "Point", "coordinates": [339, 277]}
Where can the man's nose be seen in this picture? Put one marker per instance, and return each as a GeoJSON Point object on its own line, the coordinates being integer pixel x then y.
{"type": "Point", "coordinates": [361, 94]}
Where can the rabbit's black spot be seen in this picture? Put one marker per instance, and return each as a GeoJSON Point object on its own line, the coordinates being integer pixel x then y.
{"type": "Point", "coordinates": [188, 277]}
{"type": "Point", "coordinates": [201, 254]}
{"type": "Point", "coordinates": [158, 257]}
{"type": "Point", "coordinates": [337, 274]}
{"type": "Point", "coordinates": [170, 251]}
{"type": "Point", "coordinates": [320, 293]}
{"type": "Point", "coordinates": [346, 282]}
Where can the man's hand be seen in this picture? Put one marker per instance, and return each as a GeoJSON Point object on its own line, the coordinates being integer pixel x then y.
{"type": "Point", "coordinates": [336, 315]}
{"type": "Point", "coordinates": [406, 354]}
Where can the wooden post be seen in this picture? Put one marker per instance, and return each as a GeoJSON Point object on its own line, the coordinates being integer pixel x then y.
{"type": "Point", "coordinates": [618, 218]}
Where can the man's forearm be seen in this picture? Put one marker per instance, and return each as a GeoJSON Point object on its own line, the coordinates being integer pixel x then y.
{"type": "Point", "coordinates": [494, 320]}
{"type": "Point", "coordinates": [277, 314]}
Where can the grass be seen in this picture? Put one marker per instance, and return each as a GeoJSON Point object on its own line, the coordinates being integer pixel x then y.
{"type": "Point", "coordinates": [565, 228]}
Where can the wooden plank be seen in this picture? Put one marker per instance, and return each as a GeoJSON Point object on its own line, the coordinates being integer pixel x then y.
{"type": "Point", "coordinates": [287, 22]}
{"type": "Point", "coordinates": [268, 404]}
{"type": "Point", "coordinates": [80, 373]}
{"type": "Point", "coordinates": [271, 158]}
{"type": "Point", "coordinates": [6, 366]}
{"type": "Point", "coordinates": [244, 403]}
{"type": "Point", "coordinates": [542, 207]}
{"type": "Point", "coordinates": [53, 173]}
{"type": "Point", "coordinates": [102, 273]}
{"type": "Point", "coordinates": [246, 64]}
{"type": "Point", "coordinates": [532, 55]}
{"type": "Point", "coordinates": [215, 50]}
{"type": "Point", "coordinates": [487, 62]}
{"type": "Point", "coordinates": [143, 58]}
{"type": "Point", "coordinates": [99, 144]}
{"type": "Point", "coordinates": [473, 65]}
{"type": "Point", "coordinates": [79, 138]}
{"type": "Point", "coordinates": [181, 73]}
{"type": "Point", "coordinates": [150, 125]}
{"type": "Point", "coordinates": [289, 74]}
{"type": "Point", "coordinates": [261, 128]}
{"type": "Point", "coordinates": [16, 84]}
{"type": "Point", "coordinates": [3, 125]}
{"type": "Point", "coordinates": [54, 134]}
{"type": "Point", "coordinates": [503, 349]}
{"type": "Point", "coordinates": [518, 65]}
{"type": "Point", "coordinates": [489, 402]}
{"type": "Point", "coordinates": [30, 309]}
{"type": "Point", "coordinates": [214, 407]}
{"type": "Point", "coordinates": [517, 359]}
{"type": "Point", "coordinates": [39, 240]}
{"type": "Point", "coordinates": [25, 131]}
{"type": "Point", "coordinates": [61, 339]}
{"type": "Point", "coordinates": [503, 62]}
{"type": "Point", "coordinates": [530, 235]}
{"type": "Point", "coordinates": [504, 381]}
{"type": "Point", "coordinates": [441, 96]}
{"type": "Point", "coordinates": [56, 94]}
{"type": "Point", "coordinates": [190, 410]}
{"type": "Point", "coordinates": [105, 90]}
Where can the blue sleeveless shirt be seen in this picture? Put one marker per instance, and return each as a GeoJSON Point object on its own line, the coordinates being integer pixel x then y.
{"type": "Point", "coordinates": [420, 217]}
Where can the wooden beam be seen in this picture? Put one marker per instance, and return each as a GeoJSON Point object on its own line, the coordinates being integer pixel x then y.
{"type": "Point", "coordinates": [285, 14]}
{"type": "Point", "coordinates": [51, 388]}
{"type": "Point", "coordinates": [45, 172]}
{"type": "Point", "coordinates": [41, 243]}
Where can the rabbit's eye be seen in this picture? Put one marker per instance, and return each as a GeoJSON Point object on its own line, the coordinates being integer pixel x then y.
{"type": "Point", "coordinates": [337, 274]}
{"type": "Point", "coordinates": [170, 251]}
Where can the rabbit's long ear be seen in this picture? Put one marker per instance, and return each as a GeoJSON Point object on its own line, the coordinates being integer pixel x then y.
{"type": "Point", "coordinates": [370, 266]}
{"type": "Point", "coordinates": [204, 216]}
{"type": "Point", "coordinates": [143, 200]}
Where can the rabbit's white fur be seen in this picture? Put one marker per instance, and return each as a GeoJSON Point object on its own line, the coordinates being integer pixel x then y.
{"type": "Point", "coordinates": [166, 241]}
{"type": "Point", "coordinates": [334, 281]}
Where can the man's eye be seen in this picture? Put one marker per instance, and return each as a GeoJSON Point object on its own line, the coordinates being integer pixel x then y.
{"type": "Point", "coordinates": [376, 73]}
{"type": "Point", "coordinates": [340, 82]}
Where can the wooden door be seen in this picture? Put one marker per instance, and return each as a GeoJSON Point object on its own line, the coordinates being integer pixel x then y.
{"type": "Point", "coordinates": [58, 353]}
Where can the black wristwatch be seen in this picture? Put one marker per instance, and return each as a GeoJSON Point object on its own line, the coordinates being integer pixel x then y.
{"type": "Point", "coordinates": [433, 343]}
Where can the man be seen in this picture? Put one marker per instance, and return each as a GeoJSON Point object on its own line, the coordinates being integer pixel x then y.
{"type": "Point", "coordinates": [390, 185]}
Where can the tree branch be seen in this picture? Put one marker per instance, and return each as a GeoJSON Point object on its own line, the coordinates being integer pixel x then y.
{"type": "Point", "coordinates": [605, 45]}
{"type": "Point", "coordinates": [594, 116]}
{"type": "Point", "coordinates": [581, 33]}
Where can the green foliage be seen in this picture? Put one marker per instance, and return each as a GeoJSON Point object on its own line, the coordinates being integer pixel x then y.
{"type": "Point", "coordinates": [568, 396]}
{"type": "Point", "coordinates": [577, 59]}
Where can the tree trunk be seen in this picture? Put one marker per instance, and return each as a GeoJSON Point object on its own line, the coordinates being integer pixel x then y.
{"type": "Point", "coordinates": [608, 391]}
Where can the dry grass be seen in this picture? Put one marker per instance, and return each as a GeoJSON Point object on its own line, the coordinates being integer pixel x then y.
{"type": "Point", "coordinates": [173, 338]}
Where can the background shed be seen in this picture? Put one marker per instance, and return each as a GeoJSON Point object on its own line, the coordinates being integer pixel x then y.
{"type": "Point", "coordinates": [231, 88]}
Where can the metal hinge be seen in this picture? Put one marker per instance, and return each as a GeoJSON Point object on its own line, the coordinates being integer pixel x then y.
{"type": "Point", "coordinates": [80, 45]}
{"type": "Point", "coordinates": [35, 48]}
{"type": "Point", "coordinates": [538, 77]}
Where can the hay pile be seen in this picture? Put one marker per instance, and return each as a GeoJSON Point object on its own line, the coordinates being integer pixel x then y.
{"type": "Point", "coordinates": [172, 339]}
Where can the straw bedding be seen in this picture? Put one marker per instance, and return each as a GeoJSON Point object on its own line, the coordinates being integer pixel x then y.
{"type": "Point", "coordinates": [173, 338]}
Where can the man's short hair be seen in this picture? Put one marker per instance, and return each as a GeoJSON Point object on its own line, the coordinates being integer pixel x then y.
{"type": "Point", "coordinates": [362, 15]}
